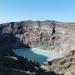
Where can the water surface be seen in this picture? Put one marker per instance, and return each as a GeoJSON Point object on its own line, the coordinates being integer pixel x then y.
{"type": "Point", "coordinates": [38, 54]}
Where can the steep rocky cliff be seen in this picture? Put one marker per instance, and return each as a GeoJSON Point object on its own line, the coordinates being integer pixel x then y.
{"type": "Point", "coordinates": [64, 65]}
{"type": "Point", "coordinates": [47, 35]}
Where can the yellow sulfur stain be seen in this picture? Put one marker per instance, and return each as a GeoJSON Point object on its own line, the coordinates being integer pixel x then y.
{"type": "Point", "coordinates": [72, 46]}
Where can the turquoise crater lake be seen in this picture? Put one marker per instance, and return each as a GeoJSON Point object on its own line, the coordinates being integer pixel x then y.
{"type": "Point", "coordinates": [37, 54]}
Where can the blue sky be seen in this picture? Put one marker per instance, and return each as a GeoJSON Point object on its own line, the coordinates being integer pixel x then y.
{"type": "Point", "coordinates": [18, 10]}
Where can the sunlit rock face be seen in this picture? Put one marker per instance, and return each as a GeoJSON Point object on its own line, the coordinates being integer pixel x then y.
{"type": "Point", "coordinates": [47, 35]}
{"type": "Point", "coordinates": [64, 65]}
{"type": "Point", "coordinates": [66, 41]}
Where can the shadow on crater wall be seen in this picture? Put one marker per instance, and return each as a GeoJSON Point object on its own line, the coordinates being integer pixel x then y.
{"type": "Point", "coordinates": [9, 41]}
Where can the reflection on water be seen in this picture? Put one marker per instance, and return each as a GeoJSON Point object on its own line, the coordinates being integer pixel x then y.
{"type": "Point", "coordinates": [37, 54]}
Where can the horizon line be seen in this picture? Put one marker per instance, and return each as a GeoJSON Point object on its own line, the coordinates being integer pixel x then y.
{"type": "Point", "coordinates": [60, 21]}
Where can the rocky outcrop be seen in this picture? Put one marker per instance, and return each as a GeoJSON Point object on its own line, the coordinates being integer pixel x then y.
{"type": "Point", "coordinates": [32, 33]}
{"type": "Point", "coordinates": [65, 65]}
{"type": "Point", "coordinates": [14, 66]}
